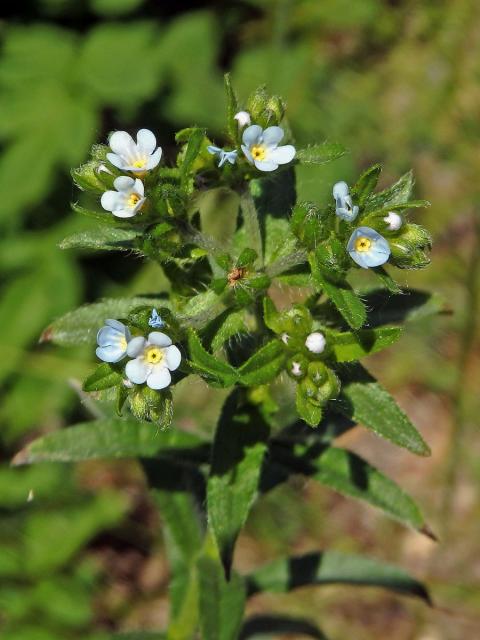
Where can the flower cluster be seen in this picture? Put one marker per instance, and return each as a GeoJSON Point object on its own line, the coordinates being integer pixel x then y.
{"type": "Point", "coordinates": [151, 358]}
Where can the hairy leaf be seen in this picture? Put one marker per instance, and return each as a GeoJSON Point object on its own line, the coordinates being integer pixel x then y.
{"type": "Point", "coordinates": [216, 372]}
{"type": "Point", "coordinates": [350, 346]}
{"type": "Point", "coordinates": [104, 377]}
{"type": "Point", "coordinates": [104, 238]}
{"type": "Point", "coordinates": [264, 365]}
{"type": "Point", "coordinates": [321, 153]}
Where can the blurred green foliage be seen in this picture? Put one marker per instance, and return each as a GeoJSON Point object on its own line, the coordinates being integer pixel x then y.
{"type": "Point", "coordinates": [396, 82]}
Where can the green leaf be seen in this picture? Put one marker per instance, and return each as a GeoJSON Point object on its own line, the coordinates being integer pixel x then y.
{"type": "Point", "coordinates": [399, 193]}
{"type": "Point", "coordinates": [409, 306]}
{"type": "Point", "coordinates": [366, 184]}
{"type": "Point", "coordinates": [232, 108]}
{"type": "Point", "coordinates": [222, 603]}
{"type": "Point", "coordinates": [104, 218]}
{"type": "Point", "coordinates": [387, 280]}
{"type": "Point", "coordinates": [104, 377]}
{"type": "Point", "coordinates": [365, 401]}
{"type": "Point", "coordinates": [342, 295]}
{"type": "Point", "coordinates": [309, 412]}
{"type": "Point", "coordinates": [102, 239]}
{"type": "Point", "coordinates": [194, 146]}
{"type": "Point", "coordinates": [265, 364]}
{"type": "Point", "coordinates": [350, 346]}
{"type": "Point", "coordinates": [333, 567]}
{"type": "Point", "coordinates": [352, 476]}
{"type": "Point", "coordinates": [251, 224]}
{"type": "Point", "coordinates": [238, 450]}
{"type": "Point", "coordinates": [104, 438]}
{"type": "Point", "coordinates": [81, 326]}
{"type": "Point", "coordinates": [216, 372]}
{"type": "Point", "coordinates": [231, 323]}
{"type": "Point", "coordinates": [321, 153]}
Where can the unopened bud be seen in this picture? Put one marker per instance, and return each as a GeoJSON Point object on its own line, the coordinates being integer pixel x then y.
{"type": "Point", "coordinates": [316, 342]}
{"type": "Point", "coordinates": [393, 221]}
{"type": "Point", "coordinates": [243, 118]}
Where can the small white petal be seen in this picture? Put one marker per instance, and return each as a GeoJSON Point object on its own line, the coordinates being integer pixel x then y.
{"type": "Point", "coordinates": [265, 165]}
{"type": "Point", "coordinates": [243, 118]}
{"type": "Point", "coordinates": [159, 339]}
{"type": "Point", "coordinates": [137, 207]}
{"type": "Point", "coordinates": [136, 346]}
{"type": "Point", "coordinates": [247, 153]}
{"type": "Point", "coordinates": [137, 370]}
{"type": "Point", "coordinates": [154, 159]}
{"type": "Point", "coordinates": [121, 143]}
{"type": "Point", "coordinates": [109, 200]}
{"type": "Point", "coordinates": [110, 353]}
{"type": "Point", "coordinates": [117, 161]}
{"type": "Point", "coordinates": [340, 189]}
{"type": "Point", "coordinates": [116, 324]}
{"type": "Point", "coordinates": [272, 136]}
{"type": "Point", "coordinates": [146, 141]}
{"type": "Point", "coordinates": [159, 378]}
{"type": "Point", "coordinates": [108, 336]}
{"type": "Point", "coordinates": [251, 135]}
{"type": "Point", "coordinates": [282, 155]}
{"type": "Point", "coordinates": [124, 213]}
{"type": "Point", "coordinates": [139, 188]}
{"type": "Point", "coordinates": [173, 357]}
{"type": "Point", "coordinates": [124, 183]}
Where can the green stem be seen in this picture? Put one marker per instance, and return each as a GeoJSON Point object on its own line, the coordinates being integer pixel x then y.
{"type": "Point", "coordinates": [252, 224]}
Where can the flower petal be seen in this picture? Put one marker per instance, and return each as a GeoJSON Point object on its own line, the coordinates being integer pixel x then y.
{"type": "Point", "coordinates": [108, 336]}
{"type": "Point", "coordinates": [116, 160]}
{"type": "Point", "coordinates": [272, 136]}
{"type": "Point", "coordinates": [282, 155]}
{"type": "Point", "coordinates": [139, 188]}
{"type": "Point", "coordinates": [173, 357]}
{"type": "Point", "coordinates": [110, 353]}
{"type": "Point", "coordinates": [137, 207]}
{"type": "Point", "coordinates": [116, 324]}
{"type": "Point", "coordinates": [121, 143]}
{"type": "Point", "coordinates": [247, 153]}
{"type": "Point", "coordinates": [265, 165]}
{"type": "Point", "coordinates": [124, 183]}
{"type": "Point", "coordinates": [136, 346]}
{"type": "Point", "coordinates": [109, 200]}
{"type": "Point", "coordinates": [146, 141]}
{"type": "Point", "coordinates": [159, 378]}
{"type": "Point", "coordinates": [154, 159]}
{"type": "Point", "coordinates": [125, 213]}
{"type": "Point", "coordinates": [159, 339]}
{"type": "Point", "coordinates": [251, 135]}
{"type": "Point", "coordinates": [340, 189]}
{"type": "Point", "coordinates": [137, 370]}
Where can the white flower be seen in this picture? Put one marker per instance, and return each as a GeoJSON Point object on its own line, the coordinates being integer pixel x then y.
{"type": "Point", "coordinates": [393, 221]}
{"type": "Point", "coordinates": [343, 202]}
{"type": "Point", "coordinates": [112, 340]}
{"type": "Point", "coordinates": [261, 147]}
{"type": "Point", "coordinates": [154, 359]}
{"type": "Point", "coordinates": [128, 198]}
{"type": "Point", "coordinates": [315, 342]}
{"type": "Point", "coordinates": [138, 157]}
{"type": "Point", "coordinates": [296, 369]}
{"type": "Point", "coordinates": [243, 118]}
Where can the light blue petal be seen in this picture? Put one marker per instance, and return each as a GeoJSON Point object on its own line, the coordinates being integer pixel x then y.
{"type": "Point", "coordinates": [282, 155]}
{"type": "Point", "coordinates": [378, 253]}
{"type": "Point", "coordinates": [272, 136]}
{"type": "Point", "coordinates": [340, 189]}
{"type": "Point", "coordinates": [137, 371]}
{"type": "Point", "coordinates": [155, 321]}
{"type": "Point", "coordinates": [159, 339]}
{"type": "Point", "coordinates": [110, 353]}
{"type": "Point", "coordinates": [115, 324]}
{"type": "Point", "coordinates": [231, 156]}
{"type": "Point", "coordinates": [247, 153]}
{"type": "Point", "coordinates": [265, 165]}
{"type": "Point", "coordinates": [136, 346]}
{"type": "Point", "coordinates": [159, 378]}
{"type": "Point", "coordinates": [252, 135]}
{"type": "Point", "coordinates": [173, 357]}
{"type": "Point", "coordinates": [108, 336]}
{"type": "Point", "coordinates": [213, 149]}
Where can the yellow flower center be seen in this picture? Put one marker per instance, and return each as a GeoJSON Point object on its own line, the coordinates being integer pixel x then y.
{"type": "Point", "coordinates": [139, 164]}
{"type": "Point", "coordinates": [363, 244]}
{"type": "Point", "coordinates": [133, 199]}
{"type": "Point", "coordinates": [258, 152]}
{"type": "Point", "coordinates": [153, 355]}
{"type": "Point", "coordinates": [123, 342]}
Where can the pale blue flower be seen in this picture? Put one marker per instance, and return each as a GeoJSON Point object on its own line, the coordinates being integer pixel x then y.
{"type": "Point", "coordinates": [112, 340]}
{"type": "Point", "coordinates": [138, 157]}
{"type": "Point", "coordinates": [128, 198]}
{"type": "Point", "coordinates": [343, 202]}
{"type": "Point", "coordinates": [368, 248]}
{"type": "Point", "coordinates": [154, 358]}
{"type": "Point", "coordinates": [261, 147]}
{"type": "Point", "coordinates": [225, 156]}
{"type": "Point", "coordinates": [155, 320]}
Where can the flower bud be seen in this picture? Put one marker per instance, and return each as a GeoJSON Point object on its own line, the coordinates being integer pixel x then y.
{"type": "Point", "coordinates": [151, 405]}
{"type": "Point", "coordinates": [410, 249]}
{"type": "Point", "coordinates": [316, 342]}
{"type": "Point", "coordinates": [393, 221]}
{"type": "Point", "coordinates": [296, 321]}
{"type": "Point", "coordinates": [297, 366]}
{"type": "Point", "coordinates": [276, 107]}
{"type": "Point", "coordinates": [243, 119]}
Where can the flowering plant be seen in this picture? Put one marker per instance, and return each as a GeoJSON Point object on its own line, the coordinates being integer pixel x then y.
{"type": "Point", "coordinates": [293, 369]}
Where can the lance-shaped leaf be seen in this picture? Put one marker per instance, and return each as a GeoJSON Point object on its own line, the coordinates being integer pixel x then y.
{"type": "Point", "coordinates": [238, 450]}
{"type": "Point", "coordinates": [222, 602]}
{"type": "Point", "coordinates": [232, 108]}
{"type": "Point", "coordinates": [82, 325]}
{"type": "Point", "coordinates": [366, 184]}
{"type": "Point", "coordinates": [341, 294]}
{"type": "Point", "coordinates": [399, 193]}
{"type": "Point", "coordinates": [104, 438]}
{"type": "Point", "coordinates": [321, 153]}
{"type": "Point", "coordinates": [409, 306]}
{"type": "Point", "coordinates": [264, 365]}
{"type": "Point", "coordinates": [194, 146]}
{"type": "Point", "coordinates": [367, 402]}
{"type": "Point", "coordinates": [352, 476]}
{"type": "Point", "coordinates": [105, 238]}
{"type": "Point", "coordinates": [348, 346]}
{"type": "Point", "coordinates": [333, 567]}
{"type": "Point", "coordinates": [216, 372]}
{"type": "Point", "coordinates": [104, 377]}
{"type": "Point", "coordinates": [387, 280]}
